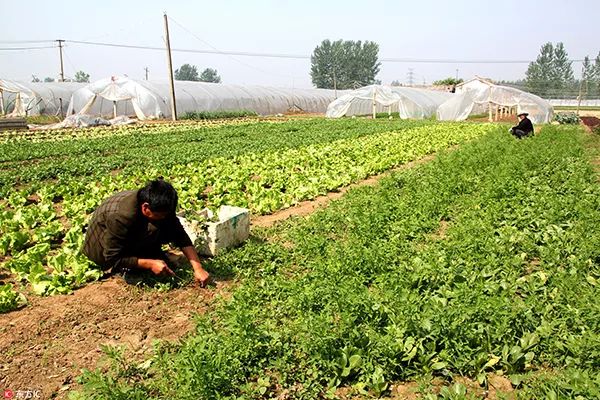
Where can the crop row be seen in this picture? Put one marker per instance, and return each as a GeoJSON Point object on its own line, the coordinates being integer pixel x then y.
{"type": "Point", "coordinates": [484, 261]}
{"type": "Point", "coordinates": [44, 135]}
{"type": "Point", "coordinates": [41, 230]}
{"type": "Point", "coordinates": [27, 162]}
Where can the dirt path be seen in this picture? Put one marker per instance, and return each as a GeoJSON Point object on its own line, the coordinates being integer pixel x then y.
{"type": "Point", "coordinates": [45, 345]}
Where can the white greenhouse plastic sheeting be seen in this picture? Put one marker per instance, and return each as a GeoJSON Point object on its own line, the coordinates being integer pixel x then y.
{"type": "Point", "coordinates": [476, 96]}
{"type": "Point", "coordinates": [407, 101]}
{"type": "Point", "coordinates": [35, 98]}
{"type": "Point", "coordinates": [85, 121]}
{"type": "Point", "coordinates": [151, 99]}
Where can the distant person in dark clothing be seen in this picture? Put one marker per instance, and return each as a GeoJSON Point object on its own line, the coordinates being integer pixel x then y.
{"type": "Point", "coordinates": [524, 128]}
{"type": "Point", "coordinates": [128, 229]}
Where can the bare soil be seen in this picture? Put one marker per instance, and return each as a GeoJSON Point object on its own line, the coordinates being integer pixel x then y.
{"type": "Point", "coordinates": [590, 122]}
{"type": "Point", "coordinates": [45, 345]}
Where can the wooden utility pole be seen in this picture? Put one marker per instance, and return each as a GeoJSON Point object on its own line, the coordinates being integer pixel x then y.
{"type": "Point", "coordinates": [62, 69]}
{"type": "Point", "coordinates": [170, 62]}
{"type": "Point", "coordinates": [374, 103]}
{"type": "Point", "coordinates": [334, 83]}
{"type": "Point", "coordinates": [490, 118]}
{"type": "Point", "coordinates": [146, 69]}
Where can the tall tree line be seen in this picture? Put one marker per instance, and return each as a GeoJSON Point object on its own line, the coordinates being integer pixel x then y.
{"type": "Point", "coordinates": [345, 64]}
{"type": "Point", "coordinates": [551, 74]}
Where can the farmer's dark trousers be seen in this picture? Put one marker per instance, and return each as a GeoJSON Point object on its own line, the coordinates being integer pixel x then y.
{"type": "Point", "coordinates": [519, 134]}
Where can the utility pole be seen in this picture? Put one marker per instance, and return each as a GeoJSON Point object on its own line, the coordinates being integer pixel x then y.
{"type": "Point", "coordinates": [170, 62]}
{"type": "Point", "coordinates": [374, 102]}
{"type": "Point", "coordinates": [146, 69]}
{"type": "Point", "coordinates": [583, 77]}
{"type": "Point", "coordinates": [411, 76]}
{"type": "Point", "coordinates": [62, 69]}
{"type": "Point", "coordinates": [335, 60]}
{"type": "Point", "coordinates": [334, 83]}
{"type": "Point", "coordinates": [456, 73]}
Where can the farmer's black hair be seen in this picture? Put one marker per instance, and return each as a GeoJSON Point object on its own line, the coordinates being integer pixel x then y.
{"type": "Point", "coordinates": [160, 195]}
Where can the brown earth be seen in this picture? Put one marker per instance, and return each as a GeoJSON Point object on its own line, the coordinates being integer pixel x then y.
{"type": "Point", "coordinates": [590, 122]}
{"type": "Point", "coordinates": [44, 345]}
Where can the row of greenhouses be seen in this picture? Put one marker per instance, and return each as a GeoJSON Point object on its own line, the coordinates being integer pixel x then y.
{"type": "Point", "coordinates": [122, 96]}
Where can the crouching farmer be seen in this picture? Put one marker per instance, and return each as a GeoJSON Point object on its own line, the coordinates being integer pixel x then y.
{"type": "Point", "coordinates": [128, 229]}
{"type": "Point", "coordinates": [524, 127]}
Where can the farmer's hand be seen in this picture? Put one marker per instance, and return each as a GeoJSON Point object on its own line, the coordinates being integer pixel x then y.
{"type": "Point", "coordinates": [159, 267]}
{"type": "Point", "coordinates": [201, 277]}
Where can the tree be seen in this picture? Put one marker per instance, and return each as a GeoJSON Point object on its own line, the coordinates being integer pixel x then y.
{"type": "Point", "coordinates": [588, 75]}
{"type": "Point", "coordinates": [210, 75]}
{"type": "Point", "coordinates": [595, 91]}
{"type": "Point", "coordinates": [539, 74]}
{"type": "Point", "coordinates": [344, 64]}
{"type": "Point", "coordinates": [187, 72]}
{"type": "Point", "coordinates": [48, 79]}
{"type": "Point", "coordinates": [35, 79]}
{"type": "Point", "coordinates": [563, 68]}
{"type": "Point", "coordinates": [82, 77]}
{"type": "Point", "coordinates": [551, 73]}
{"type": "Point", "coordinates": [448, 82]}
{"type": "Point", "coordinates": [396, 83]}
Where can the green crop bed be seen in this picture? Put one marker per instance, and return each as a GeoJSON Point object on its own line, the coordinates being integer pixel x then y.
{"type": "Point", "coordinates": [55, 155]}
{"type": "Point", "coordinates": [483, 261]}
{"type": "Point", "coordinates": [264, 167]}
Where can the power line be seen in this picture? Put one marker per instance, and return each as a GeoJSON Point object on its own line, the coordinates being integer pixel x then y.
{"type": "Point", "coordinates": [230, 56]}
{"type": "Point", "coordinates": [230, 53]}
{"type": "Point", "coordinates": [305, 57]}
{"type": "Point", "coordinates": [26, 48]}
{"type": "Point", "coordinates": [69, 60]}
{"type": "Point", "coordinates": [25, 41]}
{"type": "Point", "coordinates": [452, 61]}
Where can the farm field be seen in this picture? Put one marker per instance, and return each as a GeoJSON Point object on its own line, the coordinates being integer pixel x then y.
{"type": "Point", "coordinates": [473, 272]}
{"type": "Point", "coordinates": [476, 272]}
{"type": "Point", "coordinates": [264, 167]}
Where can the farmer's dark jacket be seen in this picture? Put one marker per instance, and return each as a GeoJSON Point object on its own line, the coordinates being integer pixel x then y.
{"type": "Point", "coordinates": [525, 125]}
{"type": "Point", "coordinates": [119, 233]}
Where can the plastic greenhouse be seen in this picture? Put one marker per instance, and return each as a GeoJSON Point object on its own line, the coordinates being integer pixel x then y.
{"type": "Point", "coordinates": [35, 98]}
{"type": "Point", "coordinates": [116, 96]}
{"type": "Point", "coordinates": [481, 96]}
{"type": "Point", "coordinates": [408, 102]}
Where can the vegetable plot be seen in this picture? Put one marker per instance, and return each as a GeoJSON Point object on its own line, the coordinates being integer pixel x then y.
{"type": "Point", "coordinates": [482, 262]}
{"type": "Point", "coordinates": [42, 227]}
{"type": "Point", "coordinates": [133, 149]}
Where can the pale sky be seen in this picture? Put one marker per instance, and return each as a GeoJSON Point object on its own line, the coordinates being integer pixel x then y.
{"type": "Point", "coordinates": [424, 29]}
